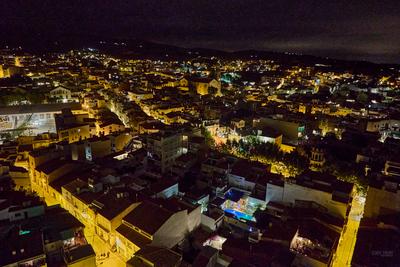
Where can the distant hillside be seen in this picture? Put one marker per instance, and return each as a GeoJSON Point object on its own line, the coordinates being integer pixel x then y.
{"type": "Point", "coordinates": [141, 49]}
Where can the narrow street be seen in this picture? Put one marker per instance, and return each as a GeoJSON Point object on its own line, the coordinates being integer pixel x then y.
{"type": "Point", "coordinates": [100, 247]}
{"type": "Point", "coordinates": [347, 242]}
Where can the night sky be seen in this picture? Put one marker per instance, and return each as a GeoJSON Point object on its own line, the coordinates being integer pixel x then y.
{"type": "Point", "coordinates": [351, 29]}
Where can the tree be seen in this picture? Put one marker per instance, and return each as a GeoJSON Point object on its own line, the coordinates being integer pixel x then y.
{"type": "Point", "coordinates": [235, 144]}
{"type": "Point", "coordinates": [35, 98]}
{"type": "Point", "coordinates": [362, 98]}
{"type": "Point", "coordinates": [5, 136]}
{"type": "Point", "coordinates": [229, 143]}
{"type": "Point", "coordinates": [348, 172]}
{"type": "Point", "coordinates": [208, 137]}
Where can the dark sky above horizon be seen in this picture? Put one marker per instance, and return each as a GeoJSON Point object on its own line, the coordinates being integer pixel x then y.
{"type": "Point", "coordinates": [349, 29]}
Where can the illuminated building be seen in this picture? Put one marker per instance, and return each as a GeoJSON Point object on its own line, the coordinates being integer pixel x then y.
{"type": "Point", "coordinates": [240, 205]}
{"type": "Point", "coordinates": [312, 188]}
{"type": "Point", "coordinates": [18, 62]}
{"type": "Point", "coordinates": [314, 244]}
{"type": "Point", "coordinates": [291, 130]}
{"type": "Point", "coordinates": [48, 172]}
{"type": "Point", "coordinates": [61, 94]}
{"type": "Point", "coordinates": [163, 148]}
{"type": "Point", "coordinates": [110, 208]}
{"type": "Point", "coordinates": [20, 177]}
{"type": "Point", "coordinates": [32, 119]}
{"type": "Point", "coordinates": [383, 197]}
{"type": "Point", "coordinates": [246, 174]}
{"type": "Point", "coordinates": [317, 158]}
{"type": "Point", "coordinates": [80, 256]}
{"type": "Point", "coordinates": [157, 224]}
{"type": "Point", "coordinates": [150, 256]}
{"type": "Point", "coordinates": [41, 236]}
{"type": "Point", "coordinates": [205, 86]}
{"type": "Point", "coordinates": [72, 128]}
{"type": "Point", "coordinates": [109, 127]}
{"type": "Point", "coordinates": [99, 146]}
{"type": "Point", "coordinates": [74, 133]}
{"type": "Point", "coordinates": [2, 74]}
